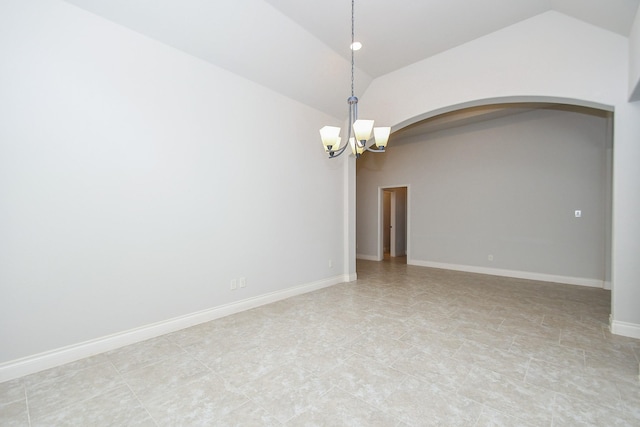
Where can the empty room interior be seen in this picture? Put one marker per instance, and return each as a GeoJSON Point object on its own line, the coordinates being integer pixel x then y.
{"type": "Point", "coordinates": [179, 245]}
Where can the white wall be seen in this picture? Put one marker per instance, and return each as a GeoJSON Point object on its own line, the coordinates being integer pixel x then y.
{"type": "Point", "coordinates": [507, 188]}
{"type": "Point", "coordinates": [625, 269]}
{"type": "Point", "coordinates": [136, 182]}
{"type": "Point", "coordinates": [548, 56]}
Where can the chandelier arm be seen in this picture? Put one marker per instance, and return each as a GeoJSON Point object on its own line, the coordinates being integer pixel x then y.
{"type": "Point", "coordinates": [376, 150]}
{"type": "Point", "coordinates": [333, 154]}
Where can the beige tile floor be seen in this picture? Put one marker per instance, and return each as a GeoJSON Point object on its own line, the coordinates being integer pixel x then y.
{"type": "Point", "coordinates": [402, 346]}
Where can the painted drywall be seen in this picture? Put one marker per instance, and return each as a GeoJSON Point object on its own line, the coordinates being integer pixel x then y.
{"type": "Point", "coordinates": [386, 221]}
{"type": "Point", "coordinates": [625, 268]}
{"type": "Point", "coordinates": [506, 188]}
{"type": "Point", "coordinates": [399, 199]}
{"type": "Point", "coordinates": [401, 221]}
{"type": "Point", "coordinates": [634, 60]}
{"type": "Point", "coordinates": [550, 56]}
{"type": "Point", "coordinates": [137, 181]}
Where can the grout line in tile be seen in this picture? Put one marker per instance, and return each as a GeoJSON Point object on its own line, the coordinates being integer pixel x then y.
{"type": "Point", "coordinates": [85, 398]}
{"type": "Point", "coordinates": [141, 404]}
{"type": "Point", "coordinates": [553, 412]}
{"type": "Point", "coordinates": [26, 399]}
{"type": "Point", "coordinates": [526, 372]}
{"type": "Point", "coordinates": [375, 406]}
{"type": "Point", "coordinates": [249, 400]}
{"type": "Point", "coordinates": [115, 367]}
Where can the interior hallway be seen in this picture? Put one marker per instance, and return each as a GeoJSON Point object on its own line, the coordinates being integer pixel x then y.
{"type": "Point", "coordinates": [402, 346]}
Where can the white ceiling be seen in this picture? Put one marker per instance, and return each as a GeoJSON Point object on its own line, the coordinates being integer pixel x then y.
{"type": "Point", "coordinates": [301, 48]}
{"type": "Point", "coordinates": [400, 32]}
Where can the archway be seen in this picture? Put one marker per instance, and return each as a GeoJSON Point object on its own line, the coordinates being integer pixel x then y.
{"type": "Point", "coordinates": [531, 237]}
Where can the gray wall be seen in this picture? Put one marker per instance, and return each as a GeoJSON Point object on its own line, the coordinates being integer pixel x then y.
{"type": "Point", "coordinates": [401, 220]}
{"type": "Point", "coordinates": [507, 187]}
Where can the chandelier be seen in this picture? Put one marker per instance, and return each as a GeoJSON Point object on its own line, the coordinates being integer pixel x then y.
{"type": "Point", "coordinates": [359, 132]}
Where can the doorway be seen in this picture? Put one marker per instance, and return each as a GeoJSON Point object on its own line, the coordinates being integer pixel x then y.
{"type": "Point", "coordinates": [393, 222]}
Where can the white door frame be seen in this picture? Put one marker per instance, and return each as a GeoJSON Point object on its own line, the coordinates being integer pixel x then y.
{"type": "Point", "coordinates": [381, 190]}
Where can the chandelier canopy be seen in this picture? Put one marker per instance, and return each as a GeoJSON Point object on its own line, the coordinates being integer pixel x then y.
{"type": "Point", "coordinates": [359, 132]}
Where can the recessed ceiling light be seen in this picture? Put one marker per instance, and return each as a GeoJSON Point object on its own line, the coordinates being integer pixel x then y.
{"type": "Point", "coordinates": [356, 46]}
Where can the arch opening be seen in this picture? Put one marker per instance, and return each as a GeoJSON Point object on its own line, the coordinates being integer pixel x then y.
{"type": "Point", "coordinates": [511, 188]}
{"type": "Point", "coordinates": [487, 109]}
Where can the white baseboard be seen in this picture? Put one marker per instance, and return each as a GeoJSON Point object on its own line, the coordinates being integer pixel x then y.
{"type": "Point", "coordinates": [607, 285]}
{"type": "Point", "coordinates": [368, 257]}
{"type": "Point", "coordinates": [626, 329]}
{"type": "Point", "coordinates": [593, 283]}
{"type": "Point", "coordinates": [50, 359]}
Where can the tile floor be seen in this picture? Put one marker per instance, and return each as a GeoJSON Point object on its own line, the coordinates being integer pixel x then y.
{"type": "Point", "coordinates": [402, 346]}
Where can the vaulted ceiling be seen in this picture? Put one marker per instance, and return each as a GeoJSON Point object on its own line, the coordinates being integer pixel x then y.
{"type": "Point", "coordinates": [301, 48]}
{"type": "Point", "coordinates": [399, 33]}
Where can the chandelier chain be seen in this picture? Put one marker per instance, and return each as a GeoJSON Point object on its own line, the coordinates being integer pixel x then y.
{"type": "Point", "coordinates": [352, 42]}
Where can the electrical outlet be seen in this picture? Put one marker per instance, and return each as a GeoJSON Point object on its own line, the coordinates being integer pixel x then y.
{"type": "Point", "coordinates": [330, 264]}
{"type": "Point", "coordinates": [243, 282]}
{"type": "Point", "coordinates": [234, 284]}
{"type": "Point", "coordinates": [490, 257]}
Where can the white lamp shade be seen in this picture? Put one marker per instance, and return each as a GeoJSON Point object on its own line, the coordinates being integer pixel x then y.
{"type": "Point", "coordinates": [362, 129]}
{"type": "Point", "coordinates": [337, 146]}
{"type": "Point", "coordinates": [355, 146]}
{"type": "Point", "coordinates": [330, 137]}
{"type": "Point", "coordinates": [381, 135]}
